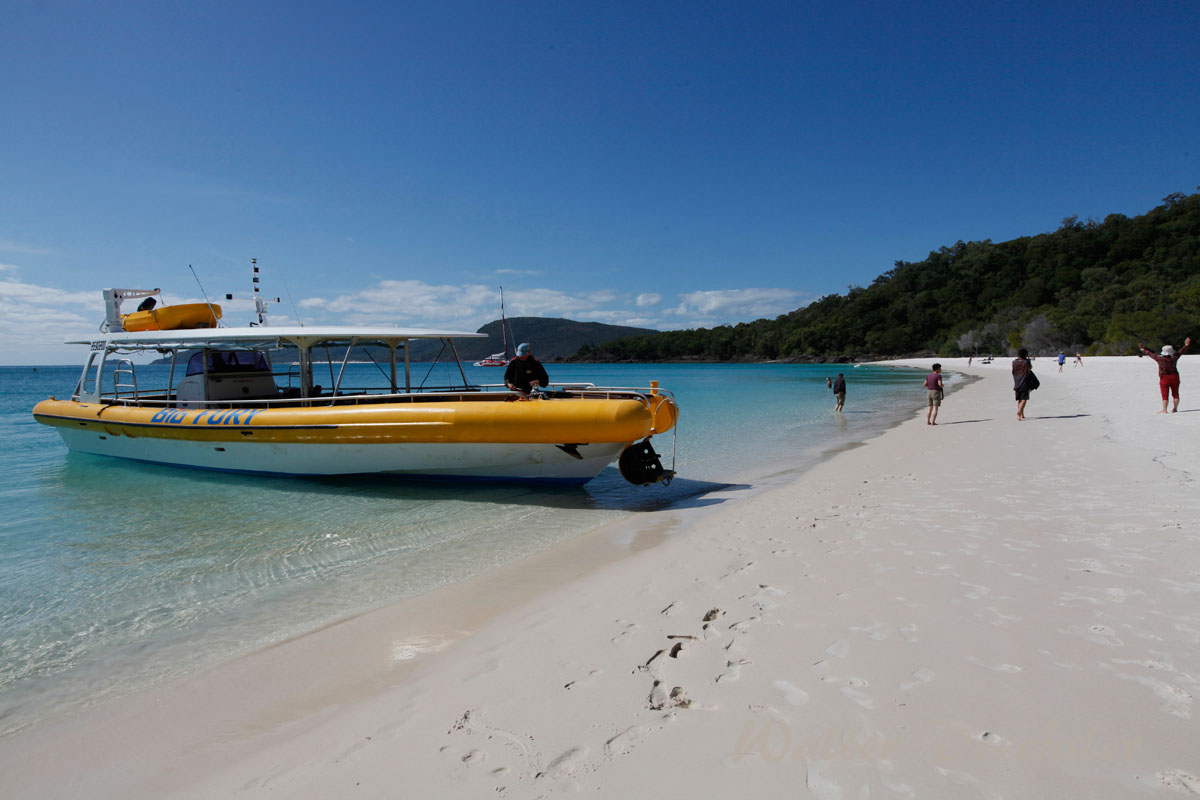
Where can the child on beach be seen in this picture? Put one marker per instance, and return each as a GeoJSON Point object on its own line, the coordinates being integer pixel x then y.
{"type": "Point", "coordinates": [934, 392]}
{"type": "Point", "coordinates": [1168, 371]}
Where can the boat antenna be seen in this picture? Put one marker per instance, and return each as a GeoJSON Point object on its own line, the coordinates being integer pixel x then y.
{"type": "Point", "coordinates": [207, 302]}
{"type": "Point", "coordinates": [260, 302]}
{"type": "Point", "coordinates": [288, 292]}
{"type": "Point", "coordinates": [503, 325]}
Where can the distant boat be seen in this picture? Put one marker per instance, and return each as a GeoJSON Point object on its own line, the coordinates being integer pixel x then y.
{"type": "Point", "coordinates": [499, 359]}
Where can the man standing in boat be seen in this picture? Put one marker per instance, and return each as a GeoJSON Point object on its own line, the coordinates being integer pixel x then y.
{"type": "Point", "coordinates": [525, 373]}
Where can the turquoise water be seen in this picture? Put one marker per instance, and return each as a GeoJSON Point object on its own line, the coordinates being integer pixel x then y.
{"type": "Point", "coordinates": [116, 575]}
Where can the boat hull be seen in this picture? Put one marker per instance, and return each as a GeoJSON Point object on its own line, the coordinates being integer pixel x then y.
{"type": "Point", "coordinates": [542, 463]}
{"type": "Point", "coordinates": [563, 441]}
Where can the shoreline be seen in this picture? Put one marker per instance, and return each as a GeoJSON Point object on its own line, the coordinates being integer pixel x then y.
{"type": "Point", "coordinates": [156, 664]}
{"type": "Point", "coordinates": [557, 688]}
{"type": "Point", "coordinates": [455, 610]}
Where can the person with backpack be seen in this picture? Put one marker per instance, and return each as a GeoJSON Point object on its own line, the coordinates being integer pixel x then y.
{"type": "Point", "coordinates": [1024, 381]}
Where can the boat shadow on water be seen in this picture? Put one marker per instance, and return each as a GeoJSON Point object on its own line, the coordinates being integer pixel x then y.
{"type": "Point", "coordinates": [86, 474]}
{"type": "Point", "coordinates": [608, 491]}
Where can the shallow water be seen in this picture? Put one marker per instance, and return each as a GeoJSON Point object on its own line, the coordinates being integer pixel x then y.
{"type": "Point", "coordinates": [116, 575]}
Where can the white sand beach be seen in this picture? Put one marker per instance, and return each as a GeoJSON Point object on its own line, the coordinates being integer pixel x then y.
{"type": "Point", "coordinates": [986, 608]}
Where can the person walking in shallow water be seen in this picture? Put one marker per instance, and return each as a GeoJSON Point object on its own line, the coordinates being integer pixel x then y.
{"type": "Point", "coordinates": [839, 391]}
{"type": "Point", "coordinates": [1168, 371]}
{"type": "Point", "coordinates": [1024, 380]}
{"type": "Point", "coordinates": [934, 392]}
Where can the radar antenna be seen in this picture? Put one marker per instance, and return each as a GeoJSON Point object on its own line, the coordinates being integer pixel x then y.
{"type": "Point", "coordinates": [260, 302]}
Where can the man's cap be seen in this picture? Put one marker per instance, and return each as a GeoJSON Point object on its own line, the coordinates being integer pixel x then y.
{"type": "Point", "coordinates": [1168, 350]}
{"type": "Point", "coordinates": [523, 349]}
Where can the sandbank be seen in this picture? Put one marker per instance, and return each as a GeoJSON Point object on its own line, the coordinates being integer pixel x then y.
{"type": "Point", "coordinates": [986, 608]}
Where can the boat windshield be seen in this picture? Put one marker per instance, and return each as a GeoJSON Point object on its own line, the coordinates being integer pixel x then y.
{"type": "Point", "coordinates": [228, 361]}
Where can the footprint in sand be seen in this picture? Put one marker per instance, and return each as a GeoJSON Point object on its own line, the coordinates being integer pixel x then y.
{"type": "Point", "coordinates": [623, 637]}
{"type": "Point", "coordinates": [733, 670]}
{"type": "Point", "coordinates": [862, 698]}
{"type": "Point", "coordinates": [920, 677]}
{"type": "Point", "coordinates": [579, 683]}
{"type": "Point", "coordinates": [628, 739]}
{"type": "Point", "coordinates": [1176, 701]}
{"type": "Point", "coordinates": [878, 632]}
{"type": "Point", "coordinates": [744, 625]}
{"type": "Point", "coordinates": [792, 694]}
{"type": "Point", "coordinates": [1180, 781]}
{"type": "Point", "coordinates": [1099, 634]}
{"type": "Point", "coordinates": [993, 667]}
{"type": "Point", "coordinates": [838, 649]}
{"type": "Point", "coordinates": [963, 779]}
{"type": "Point", "coordinates": [738, 571]}
{"type": "Point", "coordinates": [766, 595]}
{"type": "Point", "coordinates": [565, 764]}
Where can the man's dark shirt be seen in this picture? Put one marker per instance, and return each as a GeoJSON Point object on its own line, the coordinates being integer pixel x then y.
{"type": "Point", "coordinates": [521, 373]}
{"type": "Point", "coordinates": [839, 385]}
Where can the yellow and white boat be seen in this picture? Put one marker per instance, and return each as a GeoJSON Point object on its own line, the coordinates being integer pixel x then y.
{"type": "Point", "coordinates": [245, 400]}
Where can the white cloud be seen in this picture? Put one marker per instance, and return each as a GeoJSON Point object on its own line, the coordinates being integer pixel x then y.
{"type": "Point", "coordinates": [648, 299]}
{"type": "Point", "coordinates": [519, 272]}
{"type": "Point", "coordinates": [468, 306]}
{"type": "Point", "coordinates": [9, 246]}
{"type": "Point", "coordinates": [725, 305]}
{"type": "Point", "coordinates": [34, 318]}
{"type": "Point", "coordinates": [13, 291]}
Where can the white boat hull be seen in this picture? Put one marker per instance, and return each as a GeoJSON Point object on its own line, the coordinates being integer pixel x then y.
{"type": "Point", "coordinates": [546, 463]}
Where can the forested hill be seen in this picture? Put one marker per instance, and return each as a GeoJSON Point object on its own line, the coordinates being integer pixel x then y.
{"type": "Point", "coordinates": [551, 338]}
{"type": "Point", "coordinates": [1096, 287]}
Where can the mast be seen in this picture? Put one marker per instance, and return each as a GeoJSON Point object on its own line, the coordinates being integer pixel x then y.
{"type": "Point", "coordinates": [503, 325]}
{"type": "Point", "coordinates": [260, 302]}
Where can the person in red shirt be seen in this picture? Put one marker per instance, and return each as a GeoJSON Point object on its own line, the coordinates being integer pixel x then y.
{"type": "Point", "coordinates": [934, 391]}
{"type": "Point", "coordinates": [1168, 371]}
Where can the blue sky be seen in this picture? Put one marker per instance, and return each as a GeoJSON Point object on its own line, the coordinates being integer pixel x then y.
{"type": "Point", "coordinates": [670, 164]}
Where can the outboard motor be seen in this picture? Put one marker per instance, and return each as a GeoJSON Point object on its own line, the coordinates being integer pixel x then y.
{"type": "Point", "coordinates": [640, 465]}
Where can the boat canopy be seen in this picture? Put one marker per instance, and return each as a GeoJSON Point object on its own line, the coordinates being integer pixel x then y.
{"type": "Point", "coordinates": [302, 337]}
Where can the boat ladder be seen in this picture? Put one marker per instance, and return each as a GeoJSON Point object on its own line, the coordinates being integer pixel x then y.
{"type": "Point", "coordinates": [124, 368]}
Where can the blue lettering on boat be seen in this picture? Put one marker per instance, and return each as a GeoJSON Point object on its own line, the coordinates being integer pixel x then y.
{"type": "Point", "coordinates": [235, 416]}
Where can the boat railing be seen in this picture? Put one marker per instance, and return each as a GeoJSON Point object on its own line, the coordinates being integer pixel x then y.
{"type": "Point", "coordinates": [349, 397]}
{"type": "Point", "coordinates": [124, 369]}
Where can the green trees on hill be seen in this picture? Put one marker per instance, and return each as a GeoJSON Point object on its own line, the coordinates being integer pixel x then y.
{"type": "Point", "coordinates": [1098, 287]}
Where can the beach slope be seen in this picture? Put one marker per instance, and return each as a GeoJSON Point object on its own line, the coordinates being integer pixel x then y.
{"type": "Point", "coordinates": [985, 608]}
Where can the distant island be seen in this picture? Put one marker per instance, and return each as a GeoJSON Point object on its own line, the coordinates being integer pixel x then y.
{"type": "Point", "coordinates": [553, 339]}
{"type": "Point", "coordinates": [1090, 287]}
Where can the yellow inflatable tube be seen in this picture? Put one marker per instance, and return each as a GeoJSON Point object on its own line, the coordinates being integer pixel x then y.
{"type": "Point", "coordinates": [553, 421]}
{"type": "Point", "coordinates": [173, 318]}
